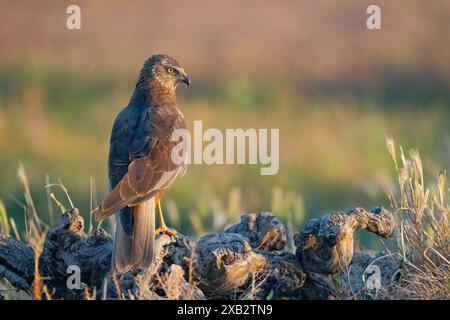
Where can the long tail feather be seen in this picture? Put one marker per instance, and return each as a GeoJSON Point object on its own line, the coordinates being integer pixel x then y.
{"type": "Point", "coordinates": [136, 250]}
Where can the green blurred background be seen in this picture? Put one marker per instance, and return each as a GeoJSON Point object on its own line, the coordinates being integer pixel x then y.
{"type": "Point", "coordinates": [311, 68]}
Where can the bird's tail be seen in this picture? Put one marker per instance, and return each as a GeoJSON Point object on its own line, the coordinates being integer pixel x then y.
{"type": "Point", "coordinates": [136, 249]}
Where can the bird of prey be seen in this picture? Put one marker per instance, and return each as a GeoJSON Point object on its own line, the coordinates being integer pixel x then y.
{"type": "Point", "coordinates": [140, 167]}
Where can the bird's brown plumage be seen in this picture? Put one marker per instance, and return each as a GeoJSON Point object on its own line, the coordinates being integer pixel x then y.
{"type": "Point", "coordinates": [140, 167]}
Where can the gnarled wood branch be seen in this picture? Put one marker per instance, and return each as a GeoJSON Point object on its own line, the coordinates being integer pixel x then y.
{"type": "Point", "coordinates": [325, 245]}
{"type": "Point", "coordinates": [16, 262]}
{"type": "Point", "coordinates": [246, 261]}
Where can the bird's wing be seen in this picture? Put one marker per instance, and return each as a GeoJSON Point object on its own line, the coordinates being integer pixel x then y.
{"type": "Point", "coordinates": [118, 154]}
{"type": "Point", "coordinates": [131, 140]}
{"type": "Point", "coordinates": [140, 165]}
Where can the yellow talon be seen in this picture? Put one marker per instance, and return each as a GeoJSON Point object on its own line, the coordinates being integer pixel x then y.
{"type": "Point", "coordinates": [163, 228]}
{"type": "Point", "coordinates": [166, 231]}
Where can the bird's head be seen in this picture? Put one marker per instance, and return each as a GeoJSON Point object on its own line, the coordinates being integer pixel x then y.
{"type": "Point", "coordinates": [163, 70]}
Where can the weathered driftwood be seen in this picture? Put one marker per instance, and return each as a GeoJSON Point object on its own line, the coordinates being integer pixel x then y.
{"type": "Point", "coordinates": [325, 245]}
{"type": "Point", "coordinates": [66, 246]}
{"type": "Point", "coordinates": [16, 262]}
{"type": "Point", "coordinates": [231, 265]}
{"type": "Point", "coordinates": [246, 261]}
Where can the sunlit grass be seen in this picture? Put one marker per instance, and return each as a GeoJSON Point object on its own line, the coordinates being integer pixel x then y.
{"type": "Point", "coordinates": [423, 230]}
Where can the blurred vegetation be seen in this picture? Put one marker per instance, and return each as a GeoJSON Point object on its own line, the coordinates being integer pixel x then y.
{"type": "Point", "coordinates": [334, 89]}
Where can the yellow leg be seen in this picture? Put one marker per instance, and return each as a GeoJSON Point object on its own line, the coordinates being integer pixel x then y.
{"type": "Point", "coordinates": [163, 228]}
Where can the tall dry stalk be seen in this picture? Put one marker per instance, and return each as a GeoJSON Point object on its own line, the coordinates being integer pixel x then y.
{"type": "Point", "coordinates": [423, 232]}
{"type": "Point", "coordinates": [38, 287]}
{"type": "Point", "coordinates": [35, 222]}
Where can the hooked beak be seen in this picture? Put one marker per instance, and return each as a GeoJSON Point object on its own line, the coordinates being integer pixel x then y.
{"type": "Point", "coordinates": [186, 80]}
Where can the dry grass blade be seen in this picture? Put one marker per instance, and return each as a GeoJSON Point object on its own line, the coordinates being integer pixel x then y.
{"type": "Point", "coordinates": [189, 292]}
{"type": "Point", "coordinates": [28, 198]}
{"type": "Point", "coordinates": [14, 227]}
{"type": "Point", "coordinates": [66, 192]}
{"type": "Point", "coordinates": [38, 282]}
{"type": "Point", "coordinates": [59, 204]}
{"type": "Point", "coordinates": [91, 209]}
{"type": "Point", "coordinates": [391, 149]}
{"type": "Point", "coordinates": [49, 200]}
{"type": "Point", "coordinates": [423, 233]}
{"type": "Point", "coordinates": [88, 295]}
{"type": "Point", "coordinates": [4, 224]}
{"type": "Point", "coordinates": [60, 184]}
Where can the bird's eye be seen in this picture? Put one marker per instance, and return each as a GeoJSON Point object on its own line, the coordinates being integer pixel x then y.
{"type": "Point", "coordinates": [169, 70]}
